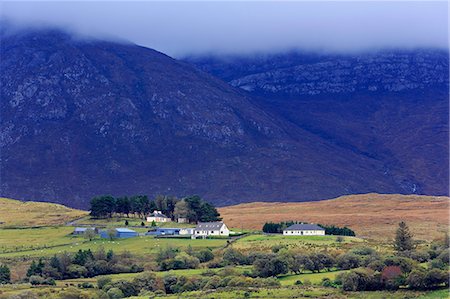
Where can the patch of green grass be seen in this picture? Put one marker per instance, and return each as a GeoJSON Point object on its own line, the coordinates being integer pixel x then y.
{"type": "Point", "coordinates": [16, 240]}
{"type": "Point", "coordinates": [266, 242]}
{"type": "Point", "coordinates": [315, 278]}
{"type": "Point", "coordinates": [139, 246]}
{"type": "Point", "coordinates": [439, 294]}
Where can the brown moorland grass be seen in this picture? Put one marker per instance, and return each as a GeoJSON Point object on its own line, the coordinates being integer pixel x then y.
{"type": "Point", "coordinates": [369, 215]}
{"type": "Point", "coordinates": [15, 213]}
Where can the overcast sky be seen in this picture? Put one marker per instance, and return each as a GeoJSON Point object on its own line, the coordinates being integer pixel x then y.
{"type": "Point", "coordinates": [183, 28]}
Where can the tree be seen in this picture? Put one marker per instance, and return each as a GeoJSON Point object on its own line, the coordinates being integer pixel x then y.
{"type": "Point", "coordinates": [270, 265]}
{"type": "Point", "coordinates": [347, 261]}
{"type": "Point", "coordinates": [5, 274]}
{"type": "Point", "coordinates": [90, 234]}
{"type": "Point", "coordinates": [403, 238]}
{"type": "Point", "coordinates": [300, 263]}
{"type": "Point", "coordinates": [35, 268]}
{"type": "Point", "coordinates": [181, 209]}
{"type": "Point", "coordinates": [103, 206]}
{"type": "Point", "coordinates": [123, 205]}
{"type": "Point", "coordinates": [153, 223]}
{"type": "Point", "coordinates": [208, 212]}
{"type": "Point", "coordinates": [126, 223]}
{"type": "Point", "coordinates": [111, 233]}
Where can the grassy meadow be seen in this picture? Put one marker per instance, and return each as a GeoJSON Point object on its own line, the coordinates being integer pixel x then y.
{"type": "Point", "coordinates": [14, 213]}
{"type": "Point", "coordinates": [371, 216]}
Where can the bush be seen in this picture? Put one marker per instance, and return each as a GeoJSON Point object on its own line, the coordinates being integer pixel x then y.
{"type": "Point", "coordinates": [348, 261]}
{"type": "Point", "coordinates": [103, 281]}
{"type": "Point", "coordinates": [234, 257]}
{"type": "Point", "coordinates": [360, 280]}
{"type": "Point", "coordinates": [326, 282]}
{"type": "Point", "coordinates": [115, 293]}
{"type": "Point", "coordinates": [436, 277]}
{"type": "Point", "coordinates": [145, 281]}
{"type": "Point", "coordinates": [204, 255]}
{"type": "Point", "coordinates": [406, 264]}
{"type": "Point", "coordinates": [35, 280]}
{"type": "Point", "coordinates": [86, 285]}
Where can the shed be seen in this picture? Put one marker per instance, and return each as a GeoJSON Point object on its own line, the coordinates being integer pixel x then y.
{"type": "Point", "coordinates": [82, 230]}
{"type": "Point", "coordinates": [120, 233]}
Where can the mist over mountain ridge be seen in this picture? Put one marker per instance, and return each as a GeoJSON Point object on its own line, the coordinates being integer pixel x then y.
{"type": "Point", "coordinates": [82, 118]}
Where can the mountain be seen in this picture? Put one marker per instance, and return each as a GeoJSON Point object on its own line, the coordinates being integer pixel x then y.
{"type": "Point", "coordinates": [391, 106]}
{"type": "Point", "coordinates": [82, 117]}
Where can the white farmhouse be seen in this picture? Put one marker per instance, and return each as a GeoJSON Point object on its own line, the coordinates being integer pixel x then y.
{"type": "Point", "coordinates": [204, 229]}
{"type": "Point", "coordinates": [304, 230]}
{"type": "Point", "coordinates": [158, 216]}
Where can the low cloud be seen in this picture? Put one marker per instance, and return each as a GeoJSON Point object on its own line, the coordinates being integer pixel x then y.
{"type": "Point", "coordinates": [185, 28]}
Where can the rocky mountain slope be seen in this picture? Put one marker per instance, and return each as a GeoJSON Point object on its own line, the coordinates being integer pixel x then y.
{"type": "Point", "coordinates": [391, 106]}
{"type": "Point", "coordinates": [81, 118]}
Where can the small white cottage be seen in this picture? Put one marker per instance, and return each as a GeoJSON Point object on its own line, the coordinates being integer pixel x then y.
{"type": "Point", "coordinates": [304, 229]}
{"type": "Point", "coordinates": [158, 216]}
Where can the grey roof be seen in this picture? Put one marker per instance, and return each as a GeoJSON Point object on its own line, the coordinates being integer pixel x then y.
{"type": "Point", "coordinates": [158, 214]}
{"type": "Point", "coordinates": [304, 227]}
{"type": "Point", "coordinates": [83, 229]}
{"type": "Point", "coordinates": [124, 230]}
{"type": "Point", "coordinates": [209, 225]}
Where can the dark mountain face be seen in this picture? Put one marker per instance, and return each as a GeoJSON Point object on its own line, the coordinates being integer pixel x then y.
{"type": "Point", "coordinates": [391, 106]}
{"type": "Point", "coordinates": [82, 118]}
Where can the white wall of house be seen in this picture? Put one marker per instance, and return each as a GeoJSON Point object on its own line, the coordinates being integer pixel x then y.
{"type": "Point", "coordinates": [186, 231]}
{"type": "Point", "coordinates": [158, 219]}
{"type": "Point", "coordinates": [304, 232]}
{"type": "Point", "coordinates": [223, 231]}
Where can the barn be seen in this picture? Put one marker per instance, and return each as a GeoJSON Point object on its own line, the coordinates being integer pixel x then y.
{"type": "Point", "coordinates": [120, 233]}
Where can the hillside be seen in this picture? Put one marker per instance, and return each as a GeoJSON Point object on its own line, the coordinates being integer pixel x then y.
{"type": "Point", "coordinates": [81, 118]}
{"type": "Point", "coordinates": [369, 215]}
{"type": "Point", "coordinates": [14, 213]}
{"type": "Point", "coordinates": [391, 106]}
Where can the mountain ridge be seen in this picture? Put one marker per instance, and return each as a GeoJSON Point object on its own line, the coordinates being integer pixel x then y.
{"type": "Point", "coordinates": [83, 118]}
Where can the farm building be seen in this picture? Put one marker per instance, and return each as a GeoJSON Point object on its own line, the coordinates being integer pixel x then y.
{"type": "Point", "coordinates": [164, 231]}
{"type": "Point", "coordinates": [120, 233]}
{"type": "Point", "coordinates": [158, 216]}
{"type": "Point", "coordinates": [304, 229]}
{"type": "Point", "coordinates": [82, 230]}
{"type": "Point", "coordinates": [204, 229]}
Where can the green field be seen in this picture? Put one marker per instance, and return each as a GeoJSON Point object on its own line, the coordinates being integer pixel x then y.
{"type": "Point", "coordinates": [266, 242]}
{"type": "Point", "coordinates": [314, 278]}
{"type": "Point", "coordinates": [52, 240]}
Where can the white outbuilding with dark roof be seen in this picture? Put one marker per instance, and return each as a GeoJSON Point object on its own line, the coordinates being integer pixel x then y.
{"type": "Point", "coordinates": [204, 229]}
{"type": "Point", "coordinates": [304, 230]}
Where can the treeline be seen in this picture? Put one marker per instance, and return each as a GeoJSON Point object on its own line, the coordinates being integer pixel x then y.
{"type": "Point", "coordinates": [193, 208]}
{"type": "Point", "coordinates": [83, 263]}
{"type": "Point", "coordinates": [278, 227]}
{"type": "Point", "coordinates": [338, 231]}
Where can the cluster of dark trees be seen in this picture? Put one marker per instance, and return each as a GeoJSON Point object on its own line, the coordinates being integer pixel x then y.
{"type": "Point", "coordinates": [192, 208]}
{"type": "Point", "coordinates": [171, 258]}
{"type": "Point", "coordinates": [278, 227]}
{"type": "Point", "coordinates": [83, 263]}
{"type": "Point", "coordinates": [5, 274]}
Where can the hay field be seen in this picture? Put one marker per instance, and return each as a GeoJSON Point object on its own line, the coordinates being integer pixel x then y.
{"type": "Point", "coordinates": [369, 215]}
{"type": "Point", "coordinates": [15, 213]}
